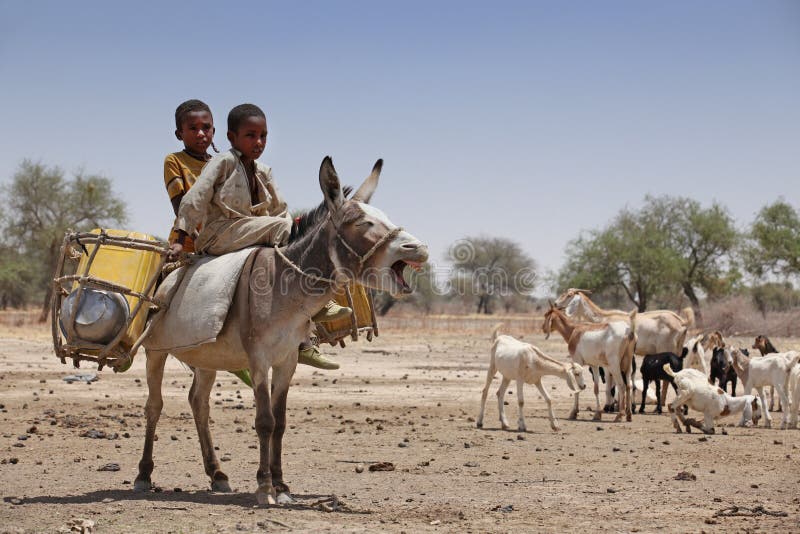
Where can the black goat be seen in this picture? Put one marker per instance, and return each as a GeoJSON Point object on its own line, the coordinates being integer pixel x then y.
{"type": "Point", "coordinates": [653, 371]}
{"type": "Point", "coordinates": [722, 370]}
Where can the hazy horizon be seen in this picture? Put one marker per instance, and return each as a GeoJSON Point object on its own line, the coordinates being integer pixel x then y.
{"type": "Point", "coordinates": [526, 120]}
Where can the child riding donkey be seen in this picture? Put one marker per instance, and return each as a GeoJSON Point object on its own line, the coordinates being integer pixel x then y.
{"type": "Point", "coordinates": [230, 202]}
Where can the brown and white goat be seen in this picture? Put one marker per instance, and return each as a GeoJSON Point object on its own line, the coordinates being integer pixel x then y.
{"type": "Point", "coordinates": [609, 345]}
{"type": "Point", "coordinates": [656, 330]}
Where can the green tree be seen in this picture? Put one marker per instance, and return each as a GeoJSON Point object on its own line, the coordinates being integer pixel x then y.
{"type": "Point", "coordinates": [773, 244]}
{"type": "Point", "coordinates": [670, 245]}
{"type": "Point", "coordinates": [15, 278]}
{"type": "Point", "coordinates": [775, 296]}
{"type": "Point", "coordinates": [41, 205]}
{"type": "Point", "coordinates": [490, 269]}
{"type": "Point", "coordinates": [703, 239]}
{"type": "Point", "coordinates": [631, 253]}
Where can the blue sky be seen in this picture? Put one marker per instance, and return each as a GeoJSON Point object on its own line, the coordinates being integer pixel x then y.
{"type": "Point", "coordinates": [528, 120]}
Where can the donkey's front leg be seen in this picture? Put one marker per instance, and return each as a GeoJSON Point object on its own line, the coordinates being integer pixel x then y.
{"type": "Point", "coordinates": [265, 426]}
{"type": "Point", "coordinates": [198, 398]}
{"type": "Point", "coordinates": [281, 380]}
{"type": "Point", "coordinates": [152, 411]}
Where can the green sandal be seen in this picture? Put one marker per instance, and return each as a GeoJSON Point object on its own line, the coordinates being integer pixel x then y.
{"type": "Point", "coordinates": [332, 311]}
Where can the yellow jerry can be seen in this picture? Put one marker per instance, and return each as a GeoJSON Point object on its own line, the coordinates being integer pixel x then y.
{"type": "Point", "coordinates": [362, 319]}
{"type": "Point", "coordinates": [125, 267]}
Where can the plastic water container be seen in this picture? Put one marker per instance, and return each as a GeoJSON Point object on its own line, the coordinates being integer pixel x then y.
{"type": "Point", "coordinates": [126, 267]}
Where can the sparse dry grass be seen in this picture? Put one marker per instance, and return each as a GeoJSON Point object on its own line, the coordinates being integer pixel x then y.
{"type": "Point", "coordinates": [738, 316]}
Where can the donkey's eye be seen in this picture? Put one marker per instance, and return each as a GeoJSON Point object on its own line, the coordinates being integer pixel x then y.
{"type": "Point", "coordinates": [364, 222]}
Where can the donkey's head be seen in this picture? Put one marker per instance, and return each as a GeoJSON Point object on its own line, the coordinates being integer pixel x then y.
{"type": "Point", "coordinates": [364, 243]}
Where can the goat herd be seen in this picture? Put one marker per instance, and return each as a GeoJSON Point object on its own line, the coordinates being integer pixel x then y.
{"type": "Point", "coordinates": [607, 340]}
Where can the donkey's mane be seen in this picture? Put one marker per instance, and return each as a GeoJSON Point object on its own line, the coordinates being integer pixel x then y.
{"type": "Point", "coordinates": [309, 221]}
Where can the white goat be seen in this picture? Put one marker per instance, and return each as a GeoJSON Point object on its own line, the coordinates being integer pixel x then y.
{"type": "Point", "coordinates": [526, 364]}
{"type": "Point", "coordinates": [772, 370]}
{"type": "Point", "coordinates": [794, 396]}
{"type": "Point", "coordinates": [695, 392]}
{"type": "Point", "coordinates": [696, 357]}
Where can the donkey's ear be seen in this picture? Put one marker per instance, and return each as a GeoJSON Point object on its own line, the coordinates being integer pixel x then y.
{"type": "Point", "coordinates": [329, 183]}
{"type": "Point", "coordinates": [364, 192]}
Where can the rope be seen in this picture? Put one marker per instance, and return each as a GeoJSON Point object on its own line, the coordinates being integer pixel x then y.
{"type": "Point", "coordinates": [312, 277]}
{"type": "Point", "coordinates": [361, 259]}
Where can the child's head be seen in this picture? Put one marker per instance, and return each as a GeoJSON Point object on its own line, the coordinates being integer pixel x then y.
{"type": "Point", "coordinates": [194, 125]}
{"type": "Point", "coordinates": [247, 130]}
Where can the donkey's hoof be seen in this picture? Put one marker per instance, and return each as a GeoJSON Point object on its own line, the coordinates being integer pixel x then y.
{"type": "Point", "coordinates": [597, 416]}
{"type": "Point", "coordinates": [265, 495]}
{"type": "Point", "coordinates": [221, 486]}
{"type": "Point", "coordinates": [284, 497]}
{"type": "Point", "coordinates": [140, 486]}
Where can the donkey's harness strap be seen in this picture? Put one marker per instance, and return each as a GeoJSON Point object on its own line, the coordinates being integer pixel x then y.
{"type": "Point", "coordinates": [378, 244]}
{"type": "Point", "coordinates": [361, 258]}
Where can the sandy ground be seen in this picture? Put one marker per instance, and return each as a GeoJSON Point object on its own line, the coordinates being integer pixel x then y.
{"type": "Point", "coordinates": [408, 398]}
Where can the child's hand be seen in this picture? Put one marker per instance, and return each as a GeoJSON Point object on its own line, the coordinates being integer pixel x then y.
{"type": "Point", "coordinates": [175, 250]}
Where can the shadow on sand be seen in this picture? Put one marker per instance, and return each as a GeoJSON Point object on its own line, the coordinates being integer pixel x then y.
{"type": "Point", "coordinates": [173, 499]}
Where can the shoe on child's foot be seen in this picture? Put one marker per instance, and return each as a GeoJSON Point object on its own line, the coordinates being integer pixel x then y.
{"type": "Point", "coordinates": [332, 311]}
{"type": "Point", "coordinates": [313, 357]}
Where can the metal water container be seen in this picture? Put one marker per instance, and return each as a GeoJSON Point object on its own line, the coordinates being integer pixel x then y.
{"type": "Point", "coordinates": [100, 315]}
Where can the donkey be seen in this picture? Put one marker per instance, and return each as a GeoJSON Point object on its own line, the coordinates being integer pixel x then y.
{"type": "Point", "coordinates": [279, 289]}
